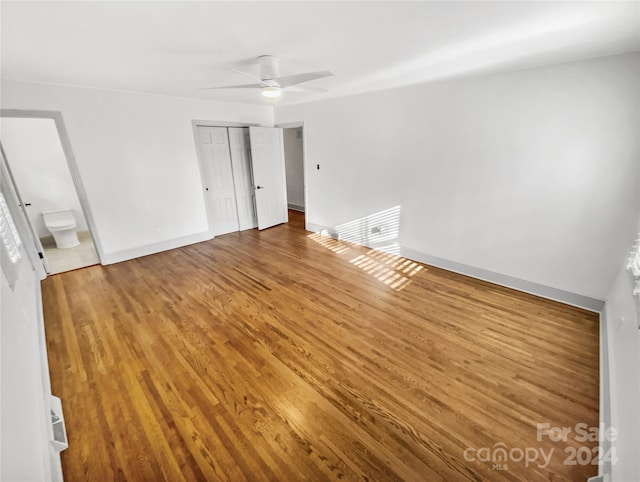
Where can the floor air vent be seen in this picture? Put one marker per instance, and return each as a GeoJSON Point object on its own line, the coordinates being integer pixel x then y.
{"type": "Point", "coordinates": [59, 440]}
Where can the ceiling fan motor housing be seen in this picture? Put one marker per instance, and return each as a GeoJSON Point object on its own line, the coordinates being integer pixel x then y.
{"type": "Point", "coordinates": [269, 68]}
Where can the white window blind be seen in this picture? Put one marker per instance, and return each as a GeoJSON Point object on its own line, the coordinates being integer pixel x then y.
{"type": "Point", "coordinates": [633, 265]}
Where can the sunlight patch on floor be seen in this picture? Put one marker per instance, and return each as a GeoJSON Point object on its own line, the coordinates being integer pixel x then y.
{"type": "Point", "coordinates": [379, 232]}
{"type": "Point", "coordinates": [391, 269]}
{"type": "Point", "coordinates": [330, 243]}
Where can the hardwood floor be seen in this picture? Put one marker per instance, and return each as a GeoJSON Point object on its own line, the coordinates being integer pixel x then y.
{"type": "Point", "coordinates": [282, 355]}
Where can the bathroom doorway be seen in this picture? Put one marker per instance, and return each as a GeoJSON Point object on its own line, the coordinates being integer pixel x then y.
{"type": "Point", "coordinates": [37, 153]}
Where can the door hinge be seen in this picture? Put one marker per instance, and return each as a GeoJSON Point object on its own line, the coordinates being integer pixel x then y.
{"type": "Point", "coordinates": [41, 255]}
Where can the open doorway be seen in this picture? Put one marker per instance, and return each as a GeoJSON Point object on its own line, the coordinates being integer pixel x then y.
{"type": "Point", "coordinates": [40, 170]}
{"type": "Point", "coordinates": [294, 164]}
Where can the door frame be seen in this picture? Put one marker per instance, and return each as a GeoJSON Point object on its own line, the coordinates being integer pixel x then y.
{"type": "Point", "coordinates": [203, 181]}
{"type": "Point", "coordinates": [65, 142]}
{"type": "Point", "coordinates": [305, 176]}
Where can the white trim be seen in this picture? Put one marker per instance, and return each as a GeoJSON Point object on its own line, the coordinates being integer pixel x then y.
{"type": "Point", "coordinates": [290, 125]}
{"type": "Point", "coordinates": [212, 123]}
{"type": "Point", "coordinates": [132, 253]}
{"type": "Point", "coordinates": [296, 207]}
{"type": "Point", "coordinates": [548, 292]}
{"type": "Point", "coordinates": [316, 228]}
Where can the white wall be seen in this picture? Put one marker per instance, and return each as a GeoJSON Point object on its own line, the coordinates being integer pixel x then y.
{"type": "Point", "coordinates": [24, 443]}
{"type": "Point", "coordinates": [137, 160]}
{"type": "Point", "coordinates": [25, 451]}
{"type": "Point", "coordinates": [623, 334]}
{"type": "Point", "coordinates": [40, 169]}
{"type": "Point", "coordinates": [293, 156]}
{"type": "Point", "coordinates": [530, 174]}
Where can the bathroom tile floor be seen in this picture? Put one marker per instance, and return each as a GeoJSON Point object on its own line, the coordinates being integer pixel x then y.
{"type": "Point", "coordinates": [61, 260]}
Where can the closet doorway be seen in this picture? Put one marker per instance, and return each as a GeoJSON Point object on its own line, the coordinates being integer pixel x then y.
{"type": "Point", "coordinates": [243, 175]}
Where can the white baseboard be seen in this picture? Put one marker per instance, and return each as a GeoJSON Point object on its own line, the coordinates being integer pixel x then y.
{"type": "Point", "coordinates": [316, 228]}
{"type": "Point", "coordinates": [296, 207]}
{"type": "Point", "coordinates": [530, 287]}
{"type": "Point", "coordinates": [137, 252]}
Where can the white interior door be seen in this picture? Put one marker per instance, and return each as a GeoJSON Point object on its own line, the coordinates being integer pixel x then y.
{"type": "Point", "coordinates": [213, 143]}
{"type": "Point", "coordinates": [243, 177]}
{"type": "Point", "coordinates": [32, 243]}
{"type": "Point", "coordinates": [267, 158]}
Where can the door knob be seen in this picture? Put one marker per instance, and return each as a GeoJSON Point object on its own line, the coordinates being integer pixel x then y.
{"type": "Point", "coordinates": [259, 187]}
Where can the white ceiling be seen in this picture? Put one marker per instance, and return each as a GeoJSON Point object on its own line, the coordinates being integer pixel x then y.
{"type": "Point", "coordinates": [175, 48]}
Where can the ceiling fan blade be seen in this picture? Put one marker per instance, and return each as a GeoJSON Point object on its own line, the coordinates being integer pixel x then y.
{"type": "Point", "coordinates": [262, 82]}
{"type": "Point", "coordinates": [306, 88]}
{"type": "Point", "coordinates": [242, 86]}
{"type": "Point", "coordinates": [290, 80]}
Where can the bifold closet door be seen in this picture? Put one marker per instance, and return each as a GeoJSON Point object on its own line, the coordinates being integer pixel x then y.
{"type": "Point", "coordinates": [219, 190]}
{"type": "Point", "coordinates": [267, 159]}
{"type": "Point", "coordinates": [242, 177]}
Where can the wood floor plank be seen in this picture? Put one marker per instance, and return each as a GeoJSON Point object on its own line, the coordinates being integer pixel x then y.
{"type": "Point", "coordinates": [284, 355]}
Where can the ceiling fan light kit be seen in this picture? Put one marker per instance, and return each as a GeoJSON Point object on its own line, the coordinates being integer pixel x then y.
{"type": "Point", "coordinates": [271, 92]}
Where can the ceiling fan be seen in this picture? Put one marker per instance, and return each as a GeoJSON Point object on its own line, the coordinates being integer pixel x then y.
{"type": "Point", "coordinates": [271, 84]}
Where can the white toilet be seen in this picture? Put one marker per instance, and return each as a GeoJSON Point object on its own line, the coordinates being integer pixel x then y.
{"type": "Point", "coordinates": [62, 224]}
